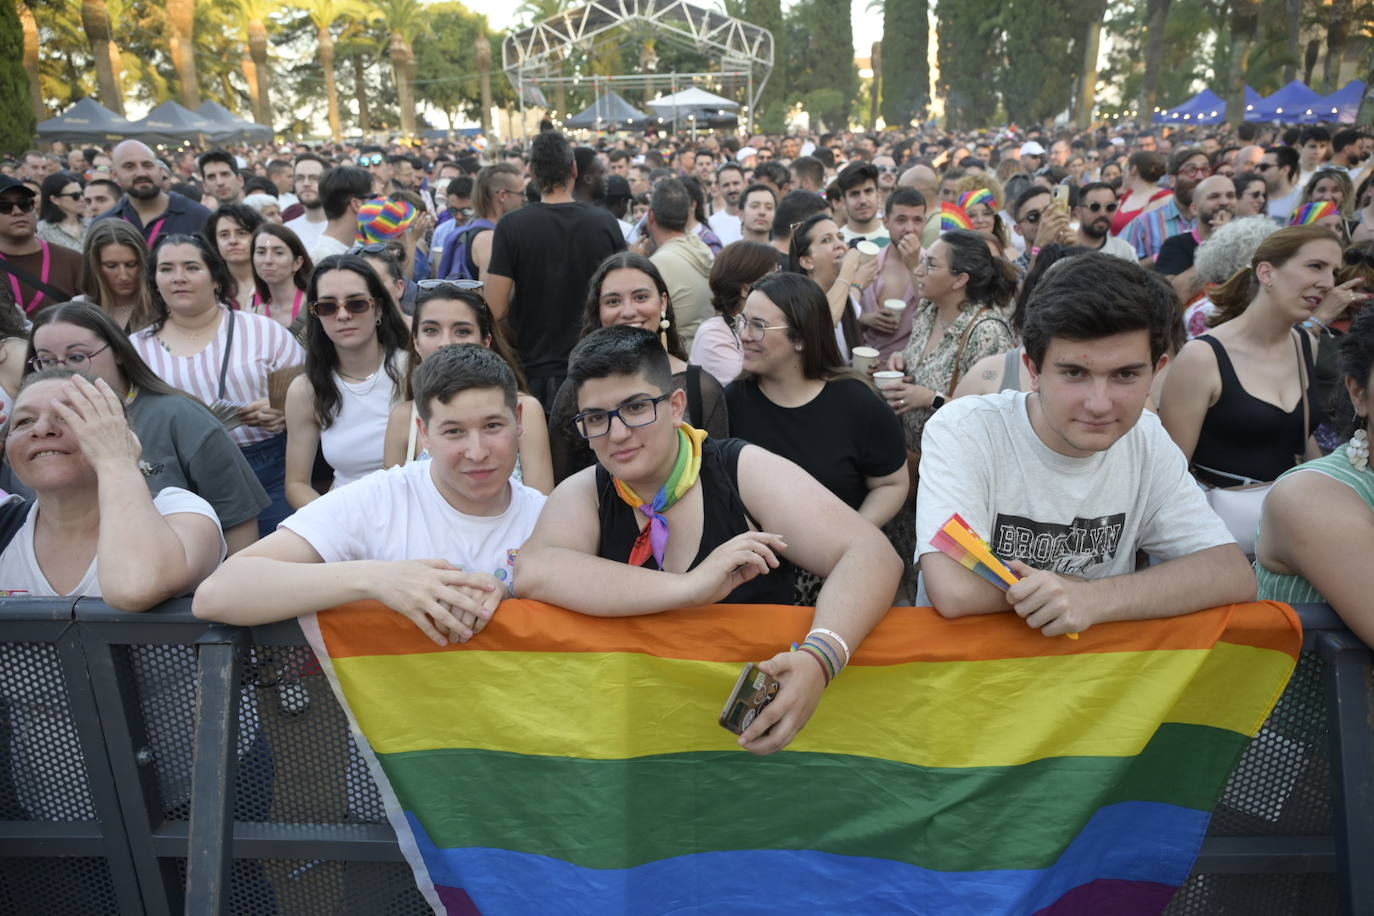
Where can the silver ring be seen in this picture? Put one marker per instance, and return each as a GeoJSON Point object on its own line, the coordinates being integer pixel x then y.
{"type": "Point", "coordinates": [902, 402]}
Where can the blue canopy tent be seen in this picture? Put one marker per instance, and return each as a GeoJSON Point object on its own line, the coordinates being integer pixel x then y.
{"type": "Point", "coordinates": [1340, 107]}
{"type": "Point", "coordinates": [227, 127]}
{"type": "Point", "coordinates": [1289, 105]}
{"type": "Point", "coordinates": [609, 109]}
{"type": "Point", "coordinates": [1204, 108]}
{"type": "Point", "coordinates": [169, 124]}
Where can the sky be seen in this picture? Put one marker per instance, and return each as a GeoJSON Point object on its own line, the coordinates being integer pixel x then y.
{"type": "Point", "coordinates": [868, 26]}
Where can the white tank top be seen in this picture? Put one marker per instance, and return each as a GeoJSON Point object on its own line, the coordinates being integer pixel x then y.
{"type": "Point", "coordinates": [353, 443]}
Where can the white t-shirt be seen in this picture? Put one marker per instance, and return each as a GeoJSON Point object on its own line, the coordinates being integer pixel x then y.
{"type": "Point", "coordinates": [1281, 208]}
{"type": "Point", "coordinates": [399, 514]}
{"type": "Point", "coordinates": [981, 458]}
{"type": "Point", "coordinates": [309, 233]}
{"type": "Point", "coordinates": [20, 573]}
{"type": "Point", "coordinates": [325, 246]}
{"type": "Point", "coordinates": [1119, 247]}
{"type": "Point", "coordinates": [879, 236]}
{"type": "Point", "coordinates": [726, 227]}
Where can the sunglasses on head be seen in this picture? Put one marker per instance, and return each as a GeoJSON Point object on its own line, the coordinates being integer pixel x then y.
{"type": "Point", "coordinates": [371, 248]}
{"type": "Point", "coordinates": [439, 283]}
{"type": "Point", "coordinates": [354, 305]}
{"type": "Point", "coordinates": [1099, 207]}
{"type": "Point", "coordinates": [1354, 257]}
{"type": "Point", "coordinates": [23, 205]}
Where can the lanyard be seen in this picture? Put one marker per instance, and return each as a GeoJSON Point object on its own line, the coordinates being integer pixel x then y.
{"type": "Point", "coordinates": [258, 301]}
{"type": "Point", "coordinates": [154, 231]}
{"type": "Point", "coordinates": [17, 289]}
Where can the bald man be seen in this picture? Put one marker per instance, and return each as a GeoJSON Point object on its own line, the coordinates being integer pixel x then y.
{"type": "Point", "coordinates": [1212, 204]}
{"type": "Point", "coordinates": [150, 209]}
{"type": "Point", "coordinates": [1248, 159]}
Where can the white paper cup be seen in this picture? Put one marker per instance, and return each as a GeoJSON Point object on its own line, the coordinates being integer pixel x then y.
{"type": "Point", "coordinates": [887, 378]}
{"type": "Point", "coordinates": [865, 358]}
{"type": "Point", "coordinates": [895, 306]}
{"type": "Point", "coordinates": [867, 248]}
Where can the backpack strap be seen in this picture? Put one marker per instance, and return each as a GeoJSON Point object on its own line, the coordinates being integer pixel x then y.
{"type": "Point", "coordinates": [13, 513]}
{"type": "Point", "coordinates": [695, 411]}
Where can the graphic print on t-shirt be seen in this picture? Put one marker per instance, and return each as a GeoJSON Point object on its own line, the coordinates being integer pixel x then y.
{"type": "Point", "coordinates": [1067, 549]}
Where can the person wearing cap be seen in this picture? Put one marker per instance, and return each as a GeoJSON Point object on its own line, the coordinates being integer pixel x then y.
{"type": "Point", "coordinates": [1147, 232]}
{"type": "Point", "coordinates": [39, 272]}
{"type": "Point", "coordinates": [145, 205]}
{"type": "Point", "coordinates": [618, 201]}
{"type": "Point", "coordinates": [1032, 156]}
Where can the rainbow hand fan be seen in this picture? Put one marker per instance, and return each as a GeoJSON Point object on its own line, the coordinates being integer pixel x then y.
{"type": "Point", "coordinates": [958, 541]}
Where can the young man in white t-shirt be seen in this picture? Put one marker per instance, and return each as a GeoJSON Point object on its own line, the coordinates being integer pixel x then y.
{"type": "Point", "coordinates": [434, 540]}
{"type": "Point", "coordinates": [1068, 481]}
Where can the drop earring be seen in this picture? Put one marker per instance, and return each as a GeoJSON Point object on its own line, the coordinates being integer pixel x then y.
{"type": "Point", "coordinates": [663, 325]}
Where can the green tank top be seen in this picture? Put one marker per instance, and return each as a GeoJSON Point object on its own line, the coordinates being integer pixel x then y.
{"type": "Point", "coordinates": [1295, 589]}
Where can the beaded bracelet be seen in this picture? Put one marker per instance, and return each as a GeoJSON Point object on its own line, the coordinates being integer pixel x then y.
{"type": "Point", "coordinates": [838, 639]}
{"type": "Point", "coordinates": [831, 654]}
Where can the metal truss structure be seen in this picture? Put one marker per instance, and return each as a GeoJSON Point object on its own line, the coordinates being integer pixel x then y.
{"type": "Point", "coordinates": [537, 56]}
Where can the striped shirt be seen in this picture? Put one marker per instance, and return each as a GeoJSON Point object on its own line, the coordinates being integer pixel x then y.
{"type": "Point", "coordinates": [1147, 232]}
{"type": "Point", "coordinates": [261, 345]}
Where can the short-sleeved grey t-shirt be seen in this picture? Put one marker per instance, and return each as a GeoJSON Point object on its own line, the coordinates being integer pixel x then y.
{"type": "Point", "coordinates": [185, 446]}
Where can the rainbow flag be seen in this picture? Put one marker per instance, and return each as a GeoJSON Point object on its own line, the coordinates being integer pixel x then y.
{"type": "Point", "coordinates": [953, 216]}
{"type": "Point", "coordinates": [1308, 214]}
{"type": "Point", "coordinates": [571, 764]}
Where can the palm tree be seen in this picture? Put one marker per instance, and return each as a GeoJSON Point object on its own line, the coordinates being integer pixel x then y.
{"type": "Point", "coordinates": [1244, 34]}
{"type": "Point", "coordinates": [181, 27]}
{"type": "Point", "coordinates": [323, 14]}
{"type": "Point", "coordinates": [253, 14]}
{"type": "Point", "coordinates": [484, 75]}
{"type": "Point", "coordinates": [360, 43]}
{"type": "Point", "coordinates": [402, 19]}
{"type": "Point", "coordinates": [95, 18]}
{"type": "Point", "coordinates": [30, 26]}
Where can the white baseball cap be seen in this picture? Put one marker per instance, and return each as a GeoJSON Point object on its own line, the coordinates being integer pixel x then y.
{"type": "Point", "coordinates": [1032, 148]}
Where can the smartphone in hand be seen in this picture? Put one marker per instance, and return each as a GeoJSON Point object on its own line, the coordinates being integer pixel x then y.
{"type": "Point", "coordinates": [754, 690]}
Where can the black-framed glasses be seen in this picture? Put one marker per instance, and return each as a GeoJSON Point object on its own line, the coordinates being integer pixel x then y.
{"type": "Point", "coordinates": [368, 159]}
{"type": "Point", "coordinates": [75, 361]}
{"type": "Point", "coordinates": [1353, 257]}
{"type": "Point", "coordinates": [472, 286]}
{"type": "Point", "coordinates": [354, 305]}
{"type": "Point", "coordinates": [1033, 217]}
{"type": "Point", "coordinates": [593, 424]}
{"type": "Point", "coordinates": [756, 328]}
{"type": "Point", "coordinates": [23, 205]}
{"type": "Point", "coordinates": [1266, 166]}
{"type": "Point", "coordinates": [1099, 207]}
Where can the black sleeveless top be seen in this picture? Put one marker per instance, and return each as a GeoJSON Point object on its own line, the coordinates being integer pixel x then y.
{"type": "Point", "coordinates": [723, 516]}
{"type": "Point", "coordinates": [1246, 437]}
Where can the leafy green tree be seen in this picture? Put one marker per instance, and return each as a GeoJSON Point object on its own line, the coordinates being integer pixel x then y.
{"type": "Point", "coordinates": [771, 116]}
{"type": "Point", "coordinates": [446, 60]}
{"type": "Point", "coordinates": [16, 112]}
{"type": "Point", "coordinates": [1036, 79]}
{"type": "Point", "coordinates": [820, 55]}
{"type": "Point", "coordinates": [905, 65]}
{"type": "Point", "coordinates": [969, 51]}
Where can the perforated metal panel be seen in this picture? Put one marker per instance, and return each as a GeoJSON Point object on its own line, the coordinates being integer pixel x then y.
{"type": "Point", "coordinates": [300, 887]}
{"type": "Point", "coordinates": [56, 887]}
{"type": "Point", "coordinates": [1257, 895]}
{"type": "Point", "coordinates": [44, 773]}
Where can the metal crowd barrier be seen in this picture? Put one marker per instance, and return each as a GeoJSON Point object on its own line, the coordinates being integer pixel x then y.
{"type": "Point", "coordinates": [154, 763]}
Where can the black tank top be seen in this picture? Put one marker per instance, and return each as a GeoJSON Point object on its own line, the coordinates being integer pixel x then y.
{"type": "Point", "coordinates": [723, 516]}
{"type": "Point", "coordinates": [1246, 437]}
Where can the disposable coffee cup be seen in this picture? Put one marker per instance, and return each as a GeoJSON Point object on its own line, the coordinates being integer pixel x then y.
{"type": "Point", "coordinates": [895, 306]}
{"type": "Point", "coordinates": [887, 378]}
{"type": "Point", "coordinates": [865, 358]}
{"type": "Point", "coordinates": [867, 249]}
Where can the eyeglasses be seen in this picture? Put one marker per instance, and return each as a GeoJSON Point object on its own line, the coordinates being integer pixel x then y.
{"type": "Point", "coordinates": [1354, 257]}
{"type": "Point", "coordinates": [23, 205]}
{"type": "Point", "coordinates": [371, 248]}
{"type": "Point", "coordinates": [928, 267]}
{"type": "Point", "coordinates": [1193, 171]}
{"type": "Point", "coordinates": [71, 361]}
{"type": "Point", "coordinates": [634, 414]}
{"type": "Point", "coordinates": [354, 305]}
{"type": "Point", "coordinates": [1099, 207]}
{"type": "Point", "coordinates": [755, 329]}
{"type": "Point", "coordinates": [1266, 166]}
{"type": "Point", "coordinates": [1033, 217]}
{"type": "Point", "coordinates": [371, 159]}
{"type": "Point", "coordinates": [887, 169]}
{"type": "Point", "coordinates": [1093, 157]}
{"type": "Point", "coordinates": [440, 283]}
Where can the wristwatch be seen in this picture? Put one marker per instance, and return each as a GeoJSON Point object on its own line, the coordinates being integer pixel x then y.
{"type": "Point", "coordinates": [938, 401]}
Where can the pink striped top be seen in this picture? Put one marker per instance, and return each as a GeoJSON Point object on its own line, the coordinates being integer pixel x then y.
{"type": "Point", "coordinates": [261, 345]}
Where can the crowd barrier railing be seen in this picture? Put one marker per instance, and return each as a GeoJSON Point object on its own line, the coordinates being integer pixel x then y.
{"type": "Point", "coordinates": [156, 763]}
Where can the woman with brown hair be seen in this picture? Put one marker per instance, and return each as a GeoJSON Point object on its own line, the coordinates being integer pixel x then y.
{"type": "Point", "coordinates": [716, 347]}
{"type": "Point", "coordinates": [281, 273]}
{"type": "Point", "coordinates": [114, 273]}
{"type": "Point", "coordinates": [1240, 402]}
{"type": "Point", "coordinates": [1141, 192]}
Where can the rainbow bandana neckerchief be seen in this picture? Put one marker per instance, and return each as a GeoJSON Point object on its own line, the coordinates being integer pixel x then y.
{"type": "Point", "coordinates": [654, 537]}
{"type": "Point", "coordinates": [1308, 214]}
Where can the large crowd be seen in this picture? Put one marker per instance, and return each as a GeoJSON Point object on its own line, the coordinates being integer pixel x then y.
{"type": "Point", "coordinates": [647, 373]}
